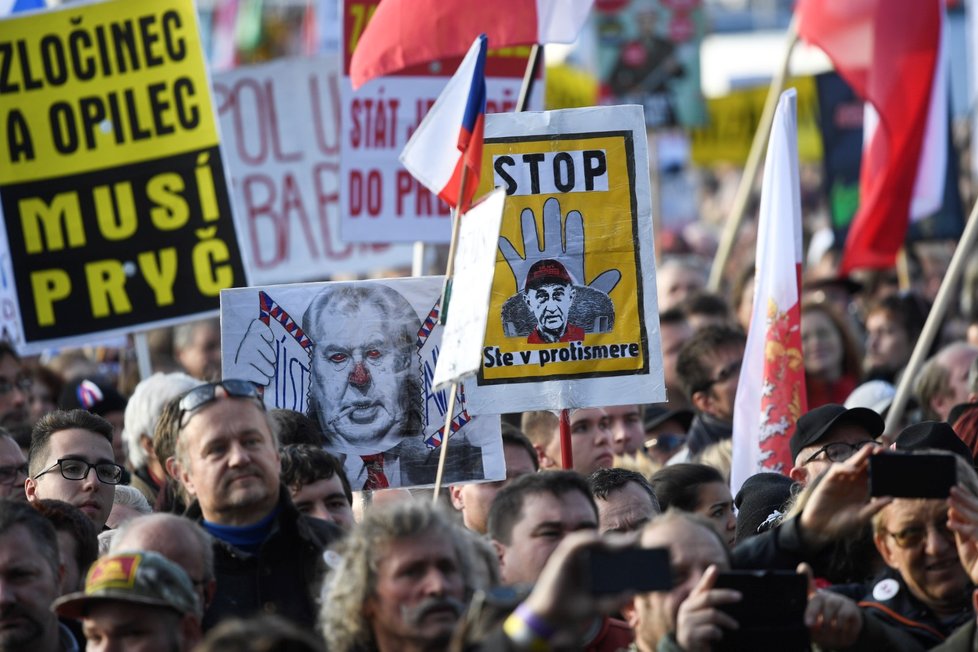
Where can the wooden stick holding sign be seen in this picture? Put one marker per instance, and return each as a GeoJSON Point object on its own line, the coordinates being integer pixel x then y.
{"type": "Point", "coordinates": [446, 295]}
{"type": "Point", "coordinates": [566, 453]}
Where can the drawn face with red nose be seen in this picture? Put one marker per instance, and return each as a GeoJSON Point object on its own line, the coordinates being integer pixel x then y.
{"type": "Point", "coordinates": [358, 376]}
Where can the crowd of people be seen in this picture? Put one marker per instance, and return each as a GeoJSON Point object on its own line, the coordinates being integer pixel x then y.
{"type": "Point", "coordinates": [178, 513]}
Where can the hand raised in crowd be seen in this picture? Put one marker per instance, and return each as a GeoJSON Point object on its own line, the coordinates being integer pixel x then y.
{"type": "Point", "coordinates": [562, 596]}
{"type": "Point", "coordinates": [962, 519]}
{"type": "Point", "coordinates": [255, 358]}
{"type": "Point", "coordinates": [700, 622]}
{"type": "Point", "coordinates": [833, 620]}
{"type": "Point", "coordinates": [840, 503]}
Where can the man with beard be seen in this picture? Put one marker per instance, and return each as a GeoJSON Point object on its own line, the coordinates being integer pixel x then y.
{"type": "Point", "coordinates": [403, 582]}
{"type": "Point", "coordinates": [71, 459]}
{"type": "Point", "coordinates": [267, 556]}
{"type": "Point", "coordinates": [29, 582]}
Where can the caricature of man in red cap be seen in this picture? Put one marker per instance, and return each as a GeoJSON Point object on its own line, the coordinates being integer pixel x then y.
{"type": "Point", "coordinates": [549, 293]}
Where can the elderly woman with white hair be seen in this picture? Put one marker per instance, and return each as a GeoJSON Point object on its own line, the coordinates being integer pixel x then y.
{"type": "Point", "coordinates": [142, 414]}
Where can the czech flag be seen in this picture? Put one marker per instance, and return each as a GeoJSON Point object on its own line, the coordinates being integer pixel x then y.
{"type": "Point", "coordinates": [439, 156]}
{"type": "Point", "coordinates": [404, 33]}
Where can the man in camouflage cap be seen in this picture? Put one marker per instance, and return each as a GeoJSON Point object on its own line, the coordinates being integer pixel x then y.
{"type": "Point", "coordinates": [138, 600]}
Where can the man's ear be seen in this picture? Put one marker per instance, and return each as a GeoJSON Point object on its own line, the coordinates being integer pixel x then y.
{"type": "Point", "coordinates": [181, 475]}
{"type": "Point", "coordinates": [500, 554]}
{"type": "Point", "coordinates": [702, 401]}
{"type": "Point", "coordinates": [455, 492]}
{"type": "Point", "coordinates": [30, 488]}
{"type": "Point", "coordinates": [799, 474]}
{"type": "Point", "coordinates": [543, 458]}
{"type": "Point", "coordinates": [190, 630]}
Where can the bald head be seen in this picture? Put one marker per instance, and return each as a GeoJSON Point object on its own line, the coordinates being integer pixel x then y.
{"type": "Point", "coordinates": [178, 539]}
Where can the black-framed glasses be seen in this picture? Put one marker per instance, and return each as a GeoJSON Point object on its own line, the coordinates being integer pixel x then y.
{"type": "Point", "coordinates": [839, 451]}
{"type": "Point", "coordinates": [76, 469]}
{"type": "Point", "coordinates": [10, 474]}
{"type": "Point", "coordinates": [913, 536]}
{"type": "Point", "coordinates": [726, 373]}
{"type": "Point", "coordinates": [198, 397]}
{"type": "Point", "coordinates": [23, 383]}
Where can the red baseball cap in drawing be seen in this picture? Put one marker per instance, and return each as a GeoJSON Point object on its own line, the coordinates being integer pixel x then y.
{"type": "Point", "coordinates": [547, 272]}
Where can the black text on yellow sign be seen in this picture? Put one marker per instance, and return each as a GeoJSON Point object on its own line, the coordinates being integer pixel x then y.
{"type": "Point", "coordinates": [112, 249]}
{"type": "Point", "coordinates": [95, 86]}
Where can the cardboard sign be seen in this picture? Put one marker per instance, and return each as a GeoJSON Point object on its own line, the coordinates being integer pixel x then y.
{"type": "Point", "coordinates": [281, 128]}
{"type": "Point", "coordinates": [380, 200]}
{"type": "Point", "coordinates": [475, 263]}
{"type": "Point", "coordinates": [113, 189]}
{"type": "Point", "coordinates": [572, 317]}
{"type": "Point", "coordinates": [360, 358]}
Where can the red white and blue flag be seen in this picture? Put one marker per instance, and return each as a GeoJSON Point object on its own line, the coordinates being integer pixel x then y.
{"type": "Point", "coordinates": [447, 146]}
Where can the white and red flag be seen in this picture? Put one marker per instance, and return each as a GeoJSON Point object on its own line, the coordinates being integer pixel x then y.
{"type": "Point", "coordinates": [889, 52]}
{"type": "Point", "coordinates": [771, 389]}
{"type": "Point", "coordinates": [447, 145]}
{"type": "Point", "coordinates": [404, 33]}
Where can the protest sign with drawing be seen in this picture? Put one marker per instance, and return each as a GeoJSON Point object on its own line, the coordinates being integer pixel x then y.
{"type": "Point", "coordinates": [280, 123]}
{"type": "Point", "coordinates": [112, 184]}
{"type": "Point", "coordinates": [360, 358]}
{"type": "Point", "coordinates": [572, 318]}
{"type": "Point", "coordinates": [380, 200]}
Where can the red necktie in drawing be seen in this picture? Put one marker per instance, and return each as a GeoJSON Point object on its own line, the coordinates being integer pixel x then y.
{"type": "Point", "coordinates": [375, 472]}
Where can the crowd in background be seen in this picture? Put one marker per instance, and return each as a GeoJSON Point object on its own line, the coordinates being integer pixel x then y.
{"type": "Point", "coordinates": [175, 512]}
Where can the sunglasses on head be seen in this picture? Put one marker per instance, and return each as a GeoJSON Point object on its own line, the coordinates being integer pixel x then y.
{"type": "Point", "coordinates": [198, 397]}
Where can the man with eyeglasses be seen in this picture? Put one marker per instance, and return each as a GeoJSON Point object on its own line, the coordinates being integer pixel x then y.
{"type": "Point", "coordinates": [13, 468]}
{"type": "Point", "coordinates": [709, 369]}
{"type": "Point", "coordinates": [925, 589]}
{"type": "Point", "coordinates": [267, 556]}
{"type": "Point", "coordinates": [830, 433]}
{"type": "Point", "coordinates": [71, 459]}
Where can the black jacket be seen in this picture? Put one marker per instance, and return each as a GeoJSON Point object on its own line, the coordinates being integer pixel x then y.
{"type": "Point", "coordinates": [284, 577]}
{"type": "Point", "coordinates": [705, 431]}
{"type": "Point", "coordinates": [890, 601]}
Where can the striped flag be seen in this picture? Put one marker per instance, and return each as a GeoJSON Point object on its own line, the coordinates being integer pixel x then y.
{"type": "Point", "coordinates": [771, 389]}
{"type": "Point", "coordinates": [447, 144]}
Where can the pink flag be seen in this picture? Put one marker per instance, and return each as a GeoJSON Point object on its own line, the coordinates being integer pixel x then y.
{"type": "Point", "coordinates": [403, 33]}
{"type": "Point", "coordinates": [771, 390]}
{"type": "Point", "coordinates": [888, 52]}
{"type": "Point", "coordinates": [447, 145]}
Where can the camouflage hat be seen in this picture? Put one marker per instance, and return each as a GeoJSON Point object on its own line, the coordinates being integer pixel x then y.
{"type": "Point", "coordinates": [140, 577]}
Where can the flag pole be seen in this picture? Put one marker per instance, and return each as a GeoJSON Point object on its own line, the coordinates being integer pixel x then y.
{"type": "Point", "coordinates": [753, 164]}
{"type": "Point", "coordinates": [566, 454]}
{"type": "Point", "coordinates": [966, 246]}
{"type": "Point", "coordinates": [529, 77]}
{"type": "Point", "coordinates": [446, 295]}
{"type": "Point", "coordinates": [446, 434]}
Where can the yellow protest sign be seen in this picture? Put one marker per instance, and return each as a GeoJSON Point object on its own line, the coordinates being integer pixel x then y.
{"type": "Point", "coordinates": [733, 119]}
{"type": "Point", "coordinates": [112, 182]}
{"type": "Point", "coordinates": [572, 317]}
